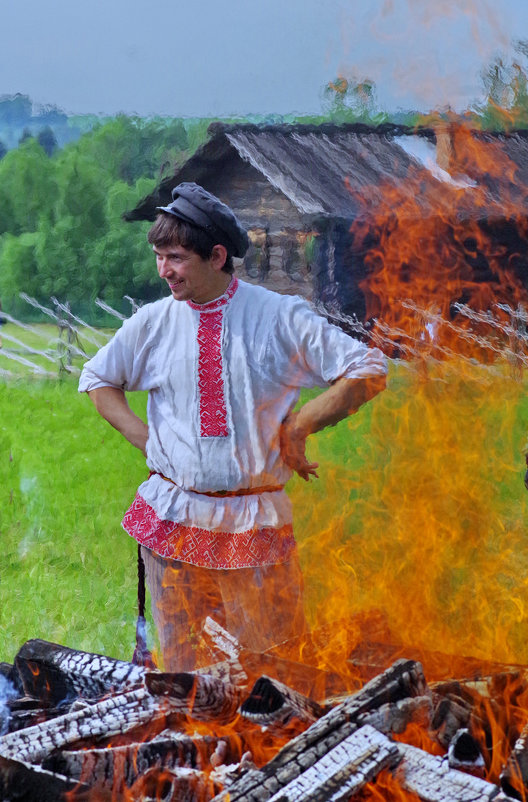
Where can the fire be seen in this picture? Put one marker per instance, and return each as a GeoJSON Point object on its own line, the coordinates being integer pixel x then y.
{"type": "Point", "coordinates": [421, 522]}
{"type": "Point", "coordinates": [386, 789]}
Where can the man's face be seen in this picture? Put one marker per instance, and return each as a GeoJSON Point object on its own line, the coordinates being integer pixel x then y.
{"type": "Point", "coordinates": [189, 277]}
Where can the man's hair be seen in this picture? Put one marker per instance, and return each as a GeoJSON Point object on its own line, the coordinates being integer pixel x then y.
{"type": "Point", "coordinates": [169, 230]}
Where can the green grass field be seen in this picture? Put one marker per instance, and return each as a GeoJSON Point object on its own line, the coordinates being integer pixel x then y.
{"type": "Point", "coordinates": [420, 512]}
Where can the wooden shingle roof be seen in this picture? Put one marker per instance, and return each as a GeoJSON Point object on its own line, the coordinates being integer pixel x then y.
{"type": "Point", "coordinates": [331, 171]}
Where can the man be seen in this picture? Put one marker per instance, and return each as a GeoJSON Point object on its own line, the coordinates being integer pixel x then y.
{"type": "Point", "coordinates": [223, 362]}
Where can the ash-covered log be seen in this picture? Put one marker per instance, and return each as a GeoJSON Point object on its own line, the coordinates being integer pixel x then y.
{"type": "Point", "coordinates": [24, 782]}
{"type": "Point", "coordinates": [403, 679]}
{"type": "Point", "coordinates": [272, 702]}
{"type": "Point", "coordinates": [431, 779]}
{"type": "Point", "coordinates": [202, 696]}
{"type": "Point", "coordinates": [194, 695]}
{"type": "Point", "coordinates": [114, 768]}
{"type": "Point", "coordinates": [116, 714]}
{"type": "Point", "coordinates": [55, 673]}
{"type": "Point", "coordinates": [396, 716]}
{"type": "Point", "coordinates": [344, 770]}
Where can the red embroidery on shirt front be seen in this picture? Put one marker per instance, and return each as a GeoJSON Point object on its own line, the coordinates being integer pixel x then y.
{"type": "Point", "coordinates": [201, 547]}
{"type": "Point", "coordinates": [213, 411]}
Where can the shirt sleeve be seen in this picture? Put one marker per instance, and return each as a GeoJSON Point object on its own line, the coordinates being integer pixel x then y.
{"type": "Point", "coordinates": [318, 352]}
{"type": "Point", "coordinates": [125, 362]}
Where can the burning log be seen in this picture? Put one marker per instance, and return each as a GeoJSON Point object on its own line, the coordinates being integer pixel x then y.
{"type": "Point", "coordinates": [395, 717]}
{"type": "Point", "coordinates": [110, 716]}
{"type": "Point", "coordinates": [113, 768]}
{"type": "Point", "coordinates": [404, 678]}
{"type": "Point", "coordinates": [343, 771]}
{"type": "Point", "coordinates": [449, 716]}
{"type": "Point", "coordinates": [198, 696]}
{"type": "Point", "coordinates": [23, 782]}
{"type": "Point", "coordinates": [27, 712]}
{"type": "Point", "coordinates": [203, 697]}
{"type": "Point", "coordinates": [430, 778]}
{"type": "Point", "coordinates": [514, 777]}
{"type": "Point", "coordinates": [179, 785]}
{"type": "Point", "coordinates": [272, 702]}
{"type": "Point", "coordinates": [54, 673]}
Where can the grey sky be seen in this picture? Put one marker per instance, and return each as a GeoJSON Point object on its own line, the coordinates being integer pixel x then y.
{"type": "Point", "coordinates": [219, 57]}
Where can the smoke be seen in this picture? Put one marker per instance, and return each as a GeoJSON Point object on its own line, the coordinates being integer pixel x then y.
{"type": "Point", "coordinates": [7, 691]}
{"type": "Point", "coordinates": [425, 55]}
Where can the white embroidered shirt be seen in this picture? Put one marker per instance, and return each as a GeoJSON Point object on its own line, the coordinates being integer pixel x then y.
{"type": "Point", "coordinates": [220, 378]}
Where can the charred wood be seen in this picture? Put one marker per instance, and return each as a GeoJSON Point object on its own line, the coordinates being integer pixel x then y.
{"type": "Point", "coordinates": [343, 771]}
{"type": "Point", "coordinates": [200, 696]}
{"type": "Point", "coordinates": [23, 782]}
{"type": "Point", "coordinates": [464, 754]}
{"type": "Point", "coordinates": [430, 778]}
{"type": "Point", "coordinates": [6, 670]}
{"type": "Point", "coordinates": [405, 678]}
{"type": "Point", "coordinates": [114, 768]}
{"type": "Point", "coordinates": [272, 702]}
{"type": "Point", "coordinates": [396, 717]}
{"type": "Point", "coordinates": [56, 673]}
{"type": "Point", "coordinates": [111, 716]}
{"type": "Point", "coordinates": [20, 719]}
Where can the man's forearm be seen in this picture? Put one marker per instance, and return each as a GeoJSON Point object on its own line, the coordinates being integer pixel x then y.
{"type": "Point", "coordinates": [112, 405]}
{"type": "Point", "coordinates": [343, 398]}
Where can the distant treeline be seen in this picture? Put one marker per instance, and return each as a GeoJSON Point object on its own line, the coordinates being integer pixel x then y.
{"type": "Point", "coordinates": [61, 226]}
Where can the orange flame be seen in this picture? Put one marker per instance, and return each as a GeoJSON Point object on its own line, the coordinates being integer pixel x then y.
{"type": "Point", "coordinates": [420, 514]}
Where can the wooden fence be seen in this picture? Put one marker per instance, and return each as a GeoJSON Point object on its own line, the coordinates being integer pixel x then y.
{"type": "Point", "coordinates": [502, 332]}
{"type": "Point", "coordinates": [38, 354]}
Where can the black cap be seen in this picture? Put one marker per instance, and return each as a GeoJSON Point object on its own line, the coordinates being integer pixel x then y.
{"type": "Point", "coordinates": [195, 205]}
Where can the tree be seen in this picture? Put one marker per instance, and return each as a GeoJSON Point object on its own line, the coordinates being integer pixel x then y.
{"type": "Point", "coordinates": [26, 134]}
{"type": "Point", "coordinates": [27, 188]}
{"type": "Point", "coordinates": [506, 90]}
{"type": "Point", "coordinates": [350, 100]}
{"type": "Point", "coordinates": [47, 140]}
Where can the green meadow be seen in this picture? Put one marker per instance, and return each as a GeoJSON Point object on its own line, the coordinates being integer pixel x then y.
{"type": "Point", "coordinates": [425, 482]}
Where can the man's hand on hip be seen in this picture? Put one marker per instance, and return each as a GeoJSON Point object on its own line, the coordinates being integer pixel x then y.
{"type": "Point", "coordinates": [293, 447]}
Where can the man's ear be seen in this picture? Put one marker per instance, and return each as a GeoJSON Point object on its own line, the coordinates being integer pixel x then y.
{"type": "Point", "coordinates": [218, 257]}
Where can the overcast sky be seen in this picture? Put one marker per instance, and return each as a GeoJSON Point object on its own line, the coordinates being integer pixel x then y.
{"type": "Point", "coordinates": [220, 57]}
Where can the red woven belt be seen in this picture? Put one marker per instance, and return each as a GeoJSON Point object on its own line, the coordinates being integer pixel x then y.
{"type": "Point", "coordinates": [250, 491]}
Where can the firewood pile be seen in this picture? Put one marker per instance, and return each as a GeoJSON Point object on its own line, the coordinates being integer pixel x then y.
{"type": "Point", "coordinates": [80, 726]}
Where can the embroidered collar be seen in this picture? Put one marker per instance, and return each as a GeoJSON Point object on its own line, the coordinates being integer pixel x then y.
{"type": "Point", "coordinates": [217, 303]}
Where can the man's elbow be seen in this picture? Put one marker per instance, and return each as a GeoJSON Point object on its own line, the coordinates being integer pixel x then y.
{"type": "Point", "coordinates": [373, 385]}
{"type": "Point", "coordinates": [103, 397]}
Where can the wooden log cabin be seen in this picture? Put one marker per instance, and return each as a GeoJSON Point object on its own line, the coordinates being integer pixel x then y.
{"type": "Point", "coordinates": [317, 200]}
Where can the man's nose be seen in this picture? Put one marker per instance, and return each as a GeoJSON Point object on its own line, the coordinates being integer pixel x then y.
{"type": "Point", "coordinates": [163, 267]}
